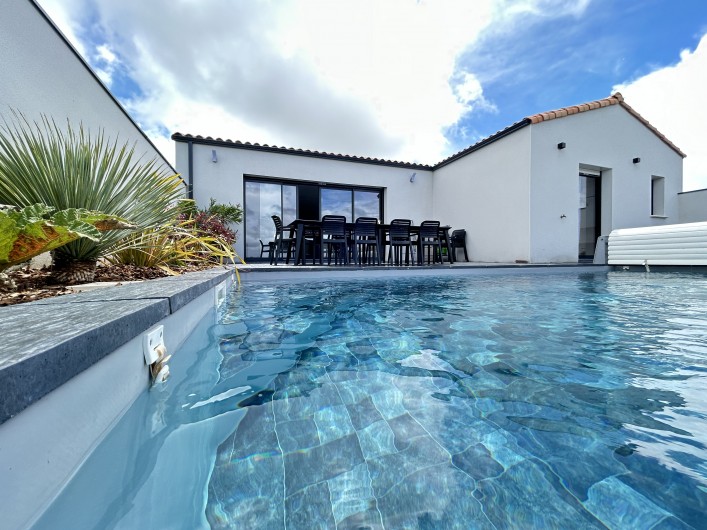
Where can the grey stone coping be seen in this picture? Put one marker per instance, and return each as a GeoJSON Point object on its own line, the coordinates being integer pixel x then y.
{"type": "Point", "coordinates": [44, 344]}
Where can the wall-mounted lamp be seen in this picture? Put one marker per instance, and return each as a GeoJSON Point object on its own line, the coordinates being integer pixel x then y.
{"type": "Point", "coordinates": [412, 177]}
{"type": "Point", "coordinates": [214, 158]}
{"type": "Point", "coordinates": [636, 160]}
{"type": "Point", "coordinates": [561, 145]}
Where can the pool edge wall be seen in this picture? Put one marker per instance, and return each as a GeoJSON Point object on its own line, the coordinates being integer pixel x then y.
{"type": "Point", "coordinates": [71, 366]}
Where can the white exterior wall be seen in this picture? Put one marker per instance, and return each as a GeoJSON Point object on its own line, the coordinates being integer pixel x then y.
{"type": "Point", "coordinates": [486, 193]}
{"type": "Point", "coordinates": [607, 139]}
{"type": "Point", "coordinates": [41, 74]}
{"type": "Point", "coordinates": [693, 206]}
{"type": "Point", "coordinates": [223, 180]}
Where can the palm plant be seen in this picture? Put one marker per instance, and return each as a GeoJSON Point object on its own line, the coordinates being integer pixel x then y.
{"type": "Point", "coordinates": [69, 168]}
{"type": "Point", "coordinates": [176, 244]}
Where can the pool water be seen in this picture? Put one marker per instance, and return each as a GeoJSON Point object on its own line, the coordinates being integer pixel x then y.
{"type": "Point", "coordinates": [481, 401]}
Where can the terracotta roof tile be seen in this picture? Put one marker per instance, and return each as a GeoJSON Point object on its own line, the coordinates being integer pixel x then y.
{"type": "Point", "coordinates": [616, 99]}
{"type": "Point", "coordinates": [297, 151]}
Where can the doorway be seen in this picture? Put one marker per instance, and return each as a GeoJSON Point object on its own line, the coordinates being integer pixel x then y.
{"type": "Point", "coordinates": [589, 214]}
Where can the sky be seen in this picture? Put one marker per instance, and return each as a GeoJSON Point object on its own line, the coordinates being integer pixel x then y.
{"type": "Point", "coordinates": [409, 80]}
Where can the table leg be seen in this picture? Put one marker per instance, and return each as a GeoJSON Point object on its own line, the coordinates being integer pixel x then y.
{"type": "Point", "coordinates": [448, 242]}
{"type": "Point", "coordinates": [299, 236]}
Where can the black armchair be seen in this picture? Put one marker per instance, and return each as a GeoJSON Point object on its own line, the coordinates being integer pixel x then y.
{"type": "Point", "coordinates": [458, 240]}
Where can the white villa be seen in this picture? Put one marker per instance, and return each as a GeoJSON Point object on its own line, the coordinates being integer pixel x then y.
{"type": "Point", "coordinates": [540, 191]}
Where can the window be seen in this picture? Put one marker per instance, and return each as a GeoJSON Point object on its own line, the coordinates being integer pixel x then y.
{"type": "Point", "coordinates": [336, 202]}
{"type": "Point", "coordinates": [265, 197]}
{"type": "Point", "coordinates": [262, 201]}
{"type": "Point", "coordinates": [658, 196]}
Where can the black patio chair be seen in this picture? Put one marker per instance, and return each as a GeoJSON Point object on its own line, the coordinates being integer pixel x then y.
{"type": "Point", "coordinates": [429, 238]}
{"type": "Point", "coordinates": [334, 238]}
{"type": "Point", "coordinates": [310, 242]}
{"type": "Point", "coordinates": [458, 240]}
{"type": "Point", "coordinates": [365, 241]}
{"type": "Point", "coordinates": [399, 238]}
{"type": "Point", "coordinates": [282, 243]}
{"type": "Point", "coordinates": [269, 247]}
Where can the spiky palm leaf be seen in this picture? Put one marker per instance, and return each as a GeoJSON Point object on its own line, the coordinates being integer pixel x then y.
{"type": "Point", "coordinates": [66, 168]}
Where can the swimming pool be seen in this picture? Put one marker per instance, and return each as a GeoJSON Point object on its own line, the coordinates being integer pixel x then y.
{"type": "Point", "coordinates": [485, 401]}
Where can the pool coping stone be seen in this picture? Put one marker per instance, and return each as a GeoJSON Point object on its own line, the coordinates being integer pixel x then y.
{"type": "Point", "coordinates": [48, 342]}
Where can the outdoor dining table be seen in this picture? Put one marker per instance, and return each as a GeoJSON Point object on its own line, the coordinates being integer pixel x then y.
{"type": "Point", "coordinates": [298, 227]}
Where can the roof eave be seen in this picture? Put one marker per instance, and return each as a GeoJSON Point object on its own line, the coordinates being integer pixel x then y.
{"type": "Point", "coordinates": [218, 142]}
{"type": "Point", "coordinates": [483, 143]}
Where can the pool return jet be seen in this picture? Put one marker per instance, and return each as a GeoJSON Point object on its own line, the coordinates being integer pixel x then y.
{"type": "Point", "coordinates": [156, 354]}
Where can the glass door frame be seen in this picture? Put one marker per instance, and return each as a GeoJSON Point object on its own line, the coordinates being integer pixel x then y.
{"type": "Point", "coordinates": [597, 180]}
{"type": "Point", "coordinates": [353, 188]}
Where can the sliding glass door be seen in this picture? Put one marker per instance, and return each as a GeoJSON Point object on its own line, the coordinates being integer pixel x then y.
{"type": "Point", "coordinates": [262, 201]}
{"type": "Point", "coordinates": [290, 200]}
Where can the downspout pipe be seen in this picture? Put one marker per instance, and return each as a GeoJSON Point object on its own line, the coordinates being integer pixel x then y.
{"type": "Point", "coordinates": [190, 171]}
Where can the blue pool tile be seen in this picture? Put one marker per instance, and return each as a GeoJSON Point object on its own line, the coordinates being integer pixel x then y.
{"type": "Point", "coordinates": [619, 506]}
{"type": "Point", "coordinates": [406, 429]}
{"type": "Point", "coordinates": [477, 462]}
{"type": "Point", "coordinates": [391, 469]}
{"type": "Point", "coordinates": [685, 495]}
{"type": "Point", "coordinates": [255, 434]}
{"type": "Point", "coordinates": [351, 391]}
{"type": "Point", "coordinates": [307, 403]}
{"type": "Point", "coordinates": [503, 447]}
{"type": "Point", "coordinates": [247, 493]}
{"type": "Point", "coordinates": [672, 523]}
{"type": "Point", "coordinates": [351, 493]}
{"type": "Point", "coordinates": [363, 413]}
{"type": "Point", "coordinates": [297, 434]}
{"type": "Point", "coordinates": [310, 466]}
{"type": "Point", "coordinates": [377, 439]}
{"type": "Point", "coordinates": [425, 500]}
{"type": "Point", "coordinates": [389, 403]}
{"type": "Point", "coordinates": [333, 422]}
{"type": "Point", "coordinates": [523, 497]}
{"type": "Point", "coordinates": [308, 509]}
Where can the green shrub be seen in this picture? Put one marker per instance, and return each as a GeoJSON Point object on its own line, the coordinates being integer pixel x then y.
{"type": "Point", "coordinates": [41, 163]}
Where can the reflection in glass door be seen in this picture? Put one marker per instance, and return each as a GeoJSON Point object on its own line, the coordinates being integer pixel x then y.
{"type": "Point", "coordinates": [290, 200]}
{"type": "Point", "coordinates": [262, 201]}
{"type": "Point", "coordinates": [589, 214]}
{"type": "Point", "coordinates": [367, 204]}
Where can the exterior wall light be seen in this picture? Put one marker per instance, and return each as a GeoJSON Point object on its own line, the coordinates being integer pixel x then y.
{"type": "Point", "coordinates": [561, 145]}
{"type": "Point", "coordinates": [214, 158]}
{"type": "Point", "coordinates": [636, 160]}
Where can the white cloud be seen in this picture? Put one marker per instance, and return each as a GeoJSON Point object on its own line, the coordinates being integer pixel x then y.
{"type": "Point", "coordinates": [670, 99]}
{"type": "Point", "coordinates": [360, 77]}
{"type": "Point", "coordinates": [367, 78]}
{"type": "Point", "coordinates": [470, 93]}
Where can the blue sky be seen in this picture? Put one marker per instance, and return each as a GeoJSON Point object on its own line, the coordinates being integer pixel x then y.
{"type": "Point", "coordinates": [552, 62]}
{"type": "Point", "coordinates": [401, 79]}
